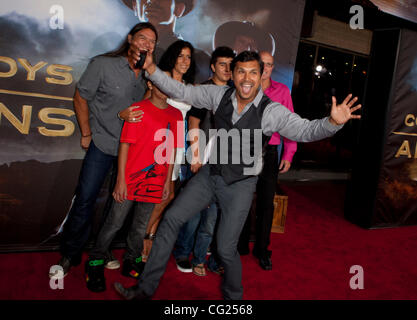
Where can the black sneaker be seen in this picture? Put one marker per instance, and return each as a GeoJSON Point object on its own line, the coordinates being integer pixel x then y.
{"type": "Point", "coordinates": [133, 269]}
{"type": "Point", "coordinates": [264, 259]}
{"type": "Point", "coordinates": [184, 265]}
{"type": "Point", "coordinates": [94, 275]}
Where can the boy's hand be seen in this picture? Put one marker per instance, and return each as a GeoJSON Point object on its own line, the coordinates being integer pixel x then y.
{"type": "Point", "coordinates": [167, 190]}
{"type": "Point", "coordinates": [120, 191]}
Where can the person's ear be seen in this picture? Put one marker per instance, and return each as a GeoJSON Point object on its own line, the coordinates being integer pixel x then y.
{"type": "Point", "coordinates": [179, 9]}
{"type": "Point", "coordinates": [212, 68]}
{"type": "Point", "coordinates": [129, 38]}
{"type": "Point", "coordinates": [149, 85]}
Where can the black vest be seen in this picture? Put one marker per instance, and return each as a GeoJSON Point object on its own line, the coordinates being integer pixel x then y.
{"type": "Point", "coordinates": [252, 119]}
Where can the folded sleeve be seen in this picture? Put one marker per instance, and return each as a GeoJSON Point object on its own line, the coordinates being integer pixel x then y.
{"type": "Point", "coordinates": [90, 80]}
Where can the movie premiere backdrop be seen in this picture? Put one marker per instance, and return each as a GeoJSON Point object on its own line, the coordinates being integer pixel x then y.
{"type": "Point", "coordinates": [45, 47]}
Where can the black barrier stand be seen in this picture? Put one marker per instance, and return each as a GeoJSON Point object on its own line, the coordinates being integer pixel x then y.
{"type": "Point", "coordinates": [376, 195]}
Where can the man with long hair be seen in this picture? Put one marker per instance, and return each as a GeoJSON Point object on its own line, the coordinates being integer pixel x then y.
{"type": "Point", "coordinates": [107, 87]}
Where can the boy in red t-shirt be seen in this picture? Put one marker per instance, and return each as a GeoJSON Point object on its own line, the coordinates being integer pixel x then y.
{"type": "Point", "coordinates": [143, 179]}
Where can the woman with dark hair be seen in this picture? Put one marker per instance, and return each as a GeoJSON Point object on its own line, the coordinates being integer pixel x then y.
{"type": "Point", "coordinates": [109, 85]}
{"type": "Point", "coordinates": [178, 62]}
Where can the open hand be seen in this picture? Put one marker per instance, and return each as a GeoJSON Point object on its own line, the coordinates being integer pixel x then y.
{"type": "Point", "coordinates": [120, 191]}
{"type": "Point", "coordinates": [342, 113]}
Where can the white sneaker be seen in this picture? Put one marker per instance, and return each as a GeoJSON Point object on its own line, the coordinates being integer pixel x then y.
{"type": "Point", "coordinates": [111, 262]}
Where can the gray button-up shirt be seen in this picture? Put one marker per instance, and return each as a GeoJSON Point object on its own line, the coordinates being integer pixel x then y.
{"type": "Point", "coordinates": [276, 117]}
{"type": "Point", "coordinates": [109, 85]}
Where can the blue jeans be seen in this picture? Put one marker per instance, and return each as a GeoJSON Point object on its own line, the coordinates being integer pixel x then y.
{"type": "Point", "coordinates": [204, 234]}
{"type": "Point", "coordinates": [95, 167]}
{"type": "Point", "coordinates": [185, 241]}
{"type": "Point", "coordinates": [196, 234]}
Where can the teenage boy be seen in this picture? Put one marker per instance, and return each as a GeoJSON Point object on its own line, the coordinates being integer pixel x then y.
{"type": "Point", "coordinates": [143, 179]}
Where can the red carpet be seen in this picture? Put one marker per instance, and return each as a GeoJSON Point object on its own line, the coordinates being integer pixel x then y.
{"type": "Point", "coordinates": [311, 260]}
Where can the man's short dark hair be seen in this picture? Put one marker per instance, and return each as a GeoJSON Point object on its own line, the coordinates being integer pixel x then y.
{"type": "Point", "coordinates": [221, 52]}
{"type": "Point", "coordinates": [246, 56]}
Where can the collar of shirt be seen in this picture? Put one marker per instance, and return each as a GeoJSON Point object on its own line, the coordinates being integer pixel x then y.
{"type": "Point", "coordinates": [123, 62]}
{"type": "Point", "coordinates": [236, 116]}
{"type": "Point", "coordinates": [275, 91]}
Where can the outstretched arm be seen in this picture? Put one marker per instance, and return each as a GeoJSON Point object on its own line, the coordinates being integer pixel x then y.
{"type": "Point", "coordinates": [203, 96]}
{"type": "Point", "coordinates": [277, 118]}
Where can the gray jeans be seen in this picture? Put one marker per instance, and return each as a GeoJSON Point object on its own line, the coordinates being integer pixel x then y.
{"type": "Point", "coordinates": [202, 190]}
{"type": "Point", "coordinates": [114, 222]}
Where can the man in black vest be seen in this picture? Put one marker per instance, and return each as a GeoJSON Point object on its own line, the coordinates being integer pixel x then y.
{"type": "Point", "coordinates": [243, 112]}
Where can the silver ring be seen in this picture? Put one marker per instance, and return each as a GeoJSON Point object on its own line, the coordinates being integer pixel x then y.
{"type": "Point", "coordinates": [133, 119]}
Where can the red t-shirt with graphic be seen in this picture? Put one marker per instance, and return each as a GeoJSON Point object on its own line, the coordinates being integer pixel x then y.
{"type": "Point", "coordinates": [151, 144]}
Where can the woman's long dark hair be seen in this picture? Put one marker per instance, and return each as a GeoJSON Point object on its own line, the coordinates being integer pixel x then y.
{"type": "Point", "coordinates": [124, 47]}
{"type": "Point", "coordinates": [170, 56]}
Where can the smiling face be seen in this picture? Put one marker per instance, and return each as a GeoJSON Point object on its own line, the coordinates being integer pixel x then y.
{"type": "Point", "coordinates": [183, 62]}
{"type": "Point", "coordinates": [247, 79]}
{"type": "Point", "coordinates": [144, 39]}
